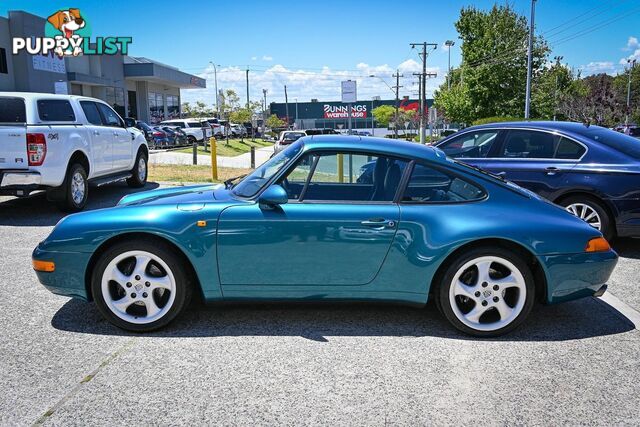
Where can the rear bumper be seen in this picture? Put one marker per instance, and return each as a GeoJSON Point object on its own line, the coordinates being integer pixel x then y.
{"type": "Point", "coordinates": [19, 183]}
{"type": "Point", "coordinates": [573, 276]}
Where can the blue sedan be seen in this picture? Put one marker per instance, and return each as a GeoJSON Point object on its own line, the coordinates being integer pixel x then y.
{"type": "Point", "coordinates": [307, 226]}
{"type": "Point", "coordinates": [592, 171]}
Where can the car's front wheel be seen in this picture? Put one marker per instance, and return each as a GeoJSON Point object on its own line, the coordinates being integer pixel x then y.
{"type": "Point", "coordinates": [140, 285]}
{"type": "Point", "coordinates": [486, 292]}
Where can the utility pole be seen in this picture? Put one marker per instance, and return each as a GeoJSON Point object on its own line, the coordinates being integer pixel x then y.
{"type": "Point", "coordinates": [449, 43]}
{"type": "Point", "coordinates": [264, 113]}
{"type": "Point", "coordinates": [423, 83]}
{"type": "Point", "coordinates": [397, 87]}
{"type": "Point", "coordinates": [295, 122]}
{"type": "Point", "coordinates": [286, 105]}
{"type": "Point", "coordinates": [632, 65]}
{"type": "Point", "coordinates": [555, 94]}
{"type": "Point", "coordinates": [215, 79]}
{"type": "Point", "coordinates": [247, 88]}
{"type": "Point", "coordinates": [527, 100]}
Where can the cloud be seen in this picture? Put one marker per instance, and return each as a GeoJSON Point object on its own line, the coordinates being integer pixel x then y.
{"type": "Point", "coordinates": [254, 58]}
{"type": "Point", "coordinates": [321, 83]}
{"type": "Point", "coordinates": [267, 58]}
{"type": "Point", "coordinates": [598, 67]}
{"type": "Point", "coordinates": [633, 45]}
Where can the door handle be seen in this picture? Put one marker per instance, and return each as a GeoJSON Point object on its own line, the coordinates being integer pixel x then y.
{"type": "Point", "coordinates": [379, 223]}
{"type": "Point", "coordinates": [551, 170]}
{"type": "Point", "coordinates": [95, 132]}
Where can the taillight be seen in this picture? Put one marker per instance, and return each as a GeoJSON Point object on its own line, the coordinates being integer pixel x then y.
{"type": "Point", "coordinates": [158, 134]}
{"type": "Point", "coordinates": [36, 148]}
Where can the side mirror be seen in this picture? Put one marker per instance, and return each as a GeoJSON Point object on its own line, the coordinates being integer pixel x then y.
{"type": "Point", "coordinates": [273, 196]}
{"type": "Point", "coordinates": [129, 122]}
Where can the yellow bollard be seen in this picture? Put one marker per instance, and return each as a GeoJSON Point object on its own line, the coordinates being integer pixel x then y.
{"type": "Point", "coordinates": [214, 159]}
{"type": "Point", "coordinates": [340, 168]}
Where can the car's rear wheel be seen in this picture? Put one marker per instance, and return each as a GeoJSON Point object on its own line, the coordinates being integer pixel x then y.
{"type": "Point", "coordinates": [486, 292]}
{"type": "Point", "coordinates": [592, 212]}
{"type": "Point", "coordinates": [192, 139]}
{"type": "Point", "coordinates": [140, 286]}
{"type": "Point", "coordinates": [75, 189]}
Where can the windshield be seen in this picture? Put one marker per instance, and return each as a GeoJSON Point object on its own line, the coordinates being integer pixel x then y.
{"type": "Point", "coordinates": [613, 139]}
{"type": "Point", "coordinates": [293, 136]}
{"type": "Point", "coordinates": [253, 182]}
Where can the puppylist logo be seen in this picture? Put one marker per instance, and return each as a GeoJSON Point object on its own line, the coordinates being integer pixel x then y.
{"type": "Point", "coordinates": [68, 33]}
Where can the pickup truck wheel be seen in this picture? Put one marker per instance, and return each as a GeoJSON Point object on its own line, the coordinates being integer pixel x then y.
{"type": "Point", "coordinates": [76, 189]}
{"type": "Point", "coordinates": [191, 139]}
{"type": "Point", "coordinates": [139, 171]}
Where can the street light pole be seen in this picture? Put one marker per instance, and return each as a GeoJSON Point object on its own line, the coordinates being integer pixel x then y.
{"type": "Point", "coordinates": [449, 43]}
{"type": "Point", "coordinates": [295, 122]}
{"type": "Point", "coordinates": [264, 113]}
{"type": "Point", "coordinates": [215, 79]}
{"type": "Point", "coordinates": [527, 100]}
{"type": "Point", "coordinates": [632, 65]}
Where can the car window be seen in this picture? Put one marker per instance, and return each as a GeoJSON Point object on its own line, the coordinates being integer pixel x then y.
{"type": "Point", "coordinates": [531, 144]}
{"type": "Point", "coordinates": [568, 149]}
{"type": "Point", "coordinates": [55, 110]}
{"type": "Point", "coordinates": [91, 112]}
{"type": "Point", "coordinates": [345, 177]}
{"type": "Point", "coordinates": [194, 125]}
{"type": "Point", "coordinates": [470, 145]}
{"type": "Point", "coordinates": [430, 185]}
{"type": "Point", "coordinates": [110, 117]}
{"type": "Point", "coordinates": [12, 110]}
{"type": "Point", "coordinates": [612, 139]}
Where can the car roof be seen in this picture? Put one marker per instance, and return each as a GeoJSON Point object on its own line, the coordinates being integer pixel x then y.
{"type": "Point", "coordinates": [382, 145]}
{"type": "Point", "coordinates": [560, 126]}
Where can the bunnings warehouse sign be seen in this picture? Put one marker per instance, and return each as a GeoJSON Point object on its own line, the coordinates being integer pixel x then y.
{"type": "Point", "coordinates": [342, 111]}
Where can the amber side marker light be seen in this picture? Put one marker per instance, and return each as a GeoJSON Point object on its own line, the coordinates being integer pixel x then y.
{"type": "Point", "coordinates": [599, 244]}
{"type": "Point", "coordinates": [46, 266]}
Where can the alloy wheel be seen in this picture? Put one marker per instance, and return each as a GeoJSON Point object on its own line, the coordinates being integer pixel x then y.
{"type": "Point", "coordinates": [487, 293]}
{"type": "Point", "coordinates": [585, 213]}
{"type": "Point", "coordinates": [78, 188]}
{"type": "Point", "coordinates": [138, 287]}
{"type": "Point", "coordinates": [142, 169]}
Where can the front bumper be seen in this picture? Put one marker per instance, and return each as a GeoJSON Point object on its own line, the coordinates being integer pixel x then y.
{"type": "Point", "coordinates": [573, 276]}
{"type": "Point", "coordinates": [19, 183]}
{"type": "Point", "coordinates": [68, 279]}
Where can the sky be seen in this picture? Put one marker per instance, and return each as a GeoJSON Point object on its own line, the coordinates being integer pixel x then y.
{"type": "Point", "coordinates": [310, 46]}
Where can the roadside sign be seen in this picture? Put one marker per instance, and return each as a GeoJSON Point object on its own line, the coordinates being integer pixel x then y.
{"type": "Point", "coordinates": [349, 92]}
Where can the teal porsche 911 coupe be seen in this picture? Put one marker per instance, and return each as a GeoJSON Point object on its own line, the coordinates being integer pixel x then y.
{"type": "Point", "coordinates": [332, 218]}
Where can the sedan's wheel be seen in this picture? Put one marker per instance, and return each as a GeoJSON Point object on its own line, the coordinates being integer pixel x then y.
{"type": "Point", "coordinates": [487, 292]}
{"type": "Point", "coordinates": [140, 286]}
{"type": "Point", "coordinates": [591, 212]}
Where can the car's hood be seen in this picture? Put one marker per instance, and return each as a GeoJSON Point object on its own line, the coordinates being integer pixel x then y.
{"type": "Point", "coordinates": [177, 195]}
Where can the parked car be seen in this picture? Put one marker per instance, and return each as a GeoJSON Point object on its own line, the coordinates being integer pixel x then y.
{"type": "Point", "coordinates": [63, 144]}
{"type": "Point", "coordinates": [216, 127]}
{"type": "Point", "coordinates": [238, 130]}
{"type": "Point", "coordinates": [160, 138]}
{"type": "Point", "coordinates": [192, 127]}
{"type": "Point", "coordinates": [141, 126]}
{"type": "Point", "coordinates": [423, 226]}
{"type": "Point", "coordinates": [287, 137]}
{"type": "Point", "coordinates": [593, 172]}
{"type": "Point", "coordinates": [320, 131]}
{"type": "Point", "coordinates": [175, 135]}
{"type": "Point", "coordinates": [631, 130]}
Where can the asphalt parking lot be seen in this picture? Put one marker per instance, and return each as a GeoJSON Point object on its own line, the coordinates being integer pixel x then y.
{"type": "Point", "coordinates": [61, 363]}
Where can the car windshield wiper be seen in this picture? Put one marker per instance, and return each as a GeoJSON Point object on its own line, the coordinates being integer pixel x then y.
{"type": "Point", "coordinates": [228, 184]}
{"type": "Point", "coordinates": [483, 171]}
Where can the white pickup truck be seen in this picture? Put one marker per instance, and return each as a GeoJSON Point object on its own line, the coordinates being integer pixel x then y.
{"type": "Point", "coordinates": [64, 143]}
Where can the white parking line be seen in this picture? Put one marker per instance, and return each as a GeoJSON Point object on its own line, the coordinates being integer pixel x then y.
{"type": "Point", "coordinates": [631, 314]}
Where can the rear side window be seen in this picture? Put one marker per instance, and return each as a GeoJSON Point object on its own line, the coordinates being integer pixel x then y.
{"type": "Point", "coordinates": [194, 125]}
{"type": "Point", "coordinates": [91, 111]}
{"type": "Point", "coordinates": [430, 185]}
{"type": "Point", "coordinates": [55, 110]}
{"type": "Point", "coordinates": [531, 144]}
{"type": "Point", "coordinates": [612, 139]}
{"type": "Point", "coordinates": [567, 149]}
{"type": "Point", "coordinates": [12, 110]}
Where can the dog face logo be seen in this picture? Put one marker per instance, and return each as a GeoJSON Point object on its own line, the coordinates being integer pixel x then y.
{"type": "Point", "coordinates": [67, 21]}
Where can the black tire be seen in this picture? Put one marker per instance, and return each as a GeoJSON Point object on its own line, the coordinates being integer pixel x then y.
{"type": "Point", "coordinates": [442, 292]}
{"type": "Point", "coordinates": [140, 171]}
{"type": "Point", "coordinates": [191, 139]}
{"type": "Point", "coordinates": [68, 203]}
{"type": "Point", "coordinates": [606, 228]}
{"type": "Point", "coordinates": [183, 291]}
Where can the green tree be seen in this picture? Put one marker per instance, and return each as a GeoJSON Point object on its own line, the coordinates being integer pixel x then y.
{"type": "Point", "coordinates": [274, 122]}
{"type": "Point", "coordinates": [494, 63]}
{"type": "Point", "coordinates": [384, 114]}
{"type": "Point", "coordinates": [241, 115]}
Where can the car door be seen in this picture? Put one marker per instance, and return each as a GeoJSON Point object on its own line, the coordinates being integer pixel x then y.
{"type": "Point", "coordinates": [536, 159]}
{"type": "Point", "coordinates": [474, 147]}
{"type": "Point", "coordinates": [121, 137]}
{"type": "Point", "coordinates": [335, 231]}
{"type": "Point", "coordinates": [101, 139]}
